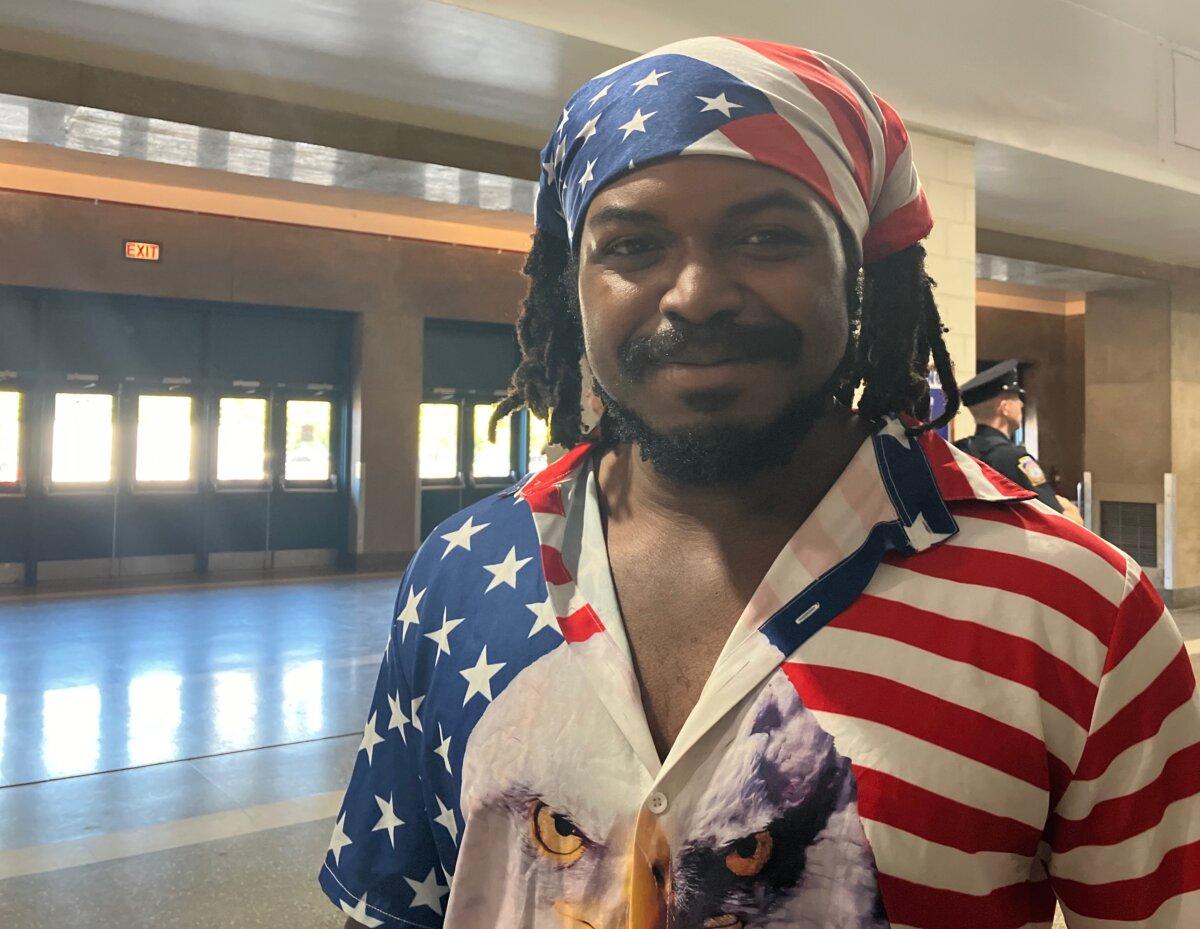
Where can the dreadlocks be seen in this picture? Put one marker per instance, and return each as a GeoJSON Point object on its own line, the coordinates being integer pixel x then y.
{"type": "Point", "coordinates": [894, 322]}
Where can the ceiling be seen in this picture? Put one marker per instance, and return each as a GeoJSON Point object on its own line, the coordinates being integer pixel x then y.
{"type": "Point", "coordinates": [1064, 96]}
{"type": "Point", "coordinates": [1065, 281]}
{"type": "Point", "coordinates": [1035, 195]}
{"type": "Point", "coordinates": [430, 64]}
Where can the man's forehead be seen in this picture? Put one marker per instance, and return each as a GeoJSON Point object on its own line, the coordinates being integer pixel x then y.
{"type": "Point", "coordinates": [725, 184]}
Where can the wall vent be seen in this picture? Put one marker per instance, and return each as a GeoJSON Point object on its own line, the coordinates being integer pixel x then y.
{"type": "Point", "coordinates": [1133, 528]}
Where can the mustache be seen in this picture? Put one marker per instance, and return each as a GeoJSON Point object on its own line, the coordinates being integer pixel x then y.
{"type": "Point", "coordinates": [711, 343]}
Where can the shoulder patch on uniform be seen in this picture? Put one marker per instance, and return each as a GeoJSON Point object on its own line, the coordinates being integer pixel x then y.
{"type": "Point", "coordinates": [1032, 470]}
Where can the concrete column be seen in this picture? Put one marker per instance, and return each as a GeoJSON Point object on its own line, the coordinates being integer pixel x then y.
{"type": "Point", "coordinates": [1185, 439]}
{"type": "Point", "coordinates": [1128, 410]}
{"type": "Point", "coordinates": [947, 169]}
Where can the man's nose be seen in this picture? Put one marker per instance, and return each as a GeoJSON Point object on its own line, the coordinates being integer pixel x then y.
{"type": "Point", "coordinates": [702, 288]}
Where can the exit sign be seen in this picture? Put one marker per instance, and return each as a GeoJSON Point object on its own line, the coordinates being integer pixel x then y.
{"type": "Point", "coordinates": [143, 251]}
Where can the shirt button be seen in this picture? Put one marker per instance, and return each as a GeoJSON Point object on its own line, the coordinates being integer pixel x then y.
{"type": "Point", "coordinates": [657, 803]}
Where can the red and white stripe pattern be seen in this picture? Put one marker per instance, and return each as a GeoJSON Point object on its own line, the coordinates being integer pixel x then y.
{"type": "Point", "coordinates": [547, 495]}
{"type": "Point", "coordinates": [1018, 705]}
{"type": "Point", "coordinates": [1023, 720]}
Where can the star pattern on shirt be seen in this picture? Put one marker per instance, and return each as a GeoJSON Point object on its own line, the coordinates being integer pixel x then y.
{"type": "Point", "coordinates": [443, 749]}
{"type": "Point", "coordinates": [506, 571]}
{"type": "Point", "coordinates": [339, 840]}
{"type": "Point", "coordinates": [442, 636]}
{"type": "Point", "coordinates": [370, 739]}
{"type": "Point", "coordinates": [428, 892]}
{"type": "Point", "coordinates": [637, 123]}
{"type": "Point", "coordinates": [720, 104]}
{"type": "Point", "coordinates": [388, 820]}
{"type": "Point", "coordinates": [479, 677]}
{"type": "Point", "coordinates": [461, 537]}
{"type": "Point", "coordinates": [398, 719]}
{"type": "Point", "coordinates": [359, 913]}
{"type": "Point", "coordinates": [446, 819]}
{"type": "Point", "coordinates": [483, 637]}
{"type": "Point", "coordinates": [544, 617]}
{"type": "Point", "coordinates": [408, 616]}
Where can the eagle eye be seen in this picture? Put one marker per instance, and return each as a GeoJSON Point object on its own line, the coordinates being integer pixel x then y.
{"type": "Point", "coordinates": [554, 835]}
{"type": "Point", "coordinates": [747, 857]}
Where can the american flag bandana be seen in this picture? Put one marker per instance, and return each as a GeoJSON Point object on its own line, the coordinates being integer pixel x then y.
{"type": "Point", "coordinates": [789, 108]}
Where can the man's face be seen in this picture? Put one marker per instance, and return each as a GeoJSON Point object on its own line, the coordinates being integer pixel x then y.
{"type": "Point", "coordinates": [713, 293]}
{"type": "Point", "coordinates": [1012, 409]}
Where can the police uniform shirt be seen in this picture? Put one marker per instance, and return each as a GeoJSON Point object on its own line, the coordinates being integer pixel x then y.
{"type": "Point", "coordinates": [999, 452]}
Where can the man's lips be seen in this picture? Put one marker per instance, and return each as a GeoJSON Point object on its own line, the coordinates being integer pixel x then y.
{"type": "Point", "coordinates": [714, 347]}
{"type": "Point", "coordinates": [709, 355]}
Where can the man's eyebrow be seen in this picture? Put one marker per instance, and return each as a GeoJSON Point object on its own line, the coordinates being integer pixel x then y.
{"type": "Point", "coordinates": [622, 214]}
{"type": "Point", "coordinates": [774, 199]}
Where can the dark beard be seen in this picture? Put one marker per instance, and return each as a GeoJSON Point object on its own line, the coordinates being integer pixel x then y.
{"type": "Point", "coordinates": [712, 456]}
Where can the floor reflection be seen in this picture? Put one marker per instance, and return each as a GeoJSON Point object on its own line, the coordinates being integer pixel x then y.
{"type": "Point", "coordinates": [235, 709]}
{"type": "Point", "coordinates": [154, 717]}
{"type": "Point", "coordinates": [110, 682]}
{"type": "Point", "coordinates": [302, 704]}
{"type": "Point", "coordinates": [70, 730]}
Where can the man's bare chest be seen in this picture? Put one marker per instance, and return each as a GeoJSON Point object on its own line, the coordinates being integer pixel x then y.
{"type": "Point", "coordinates": [678, 617]}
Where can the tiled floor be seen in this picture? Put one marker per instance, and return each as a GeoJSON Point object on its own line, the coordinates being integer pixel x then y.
{"type": "Point", "coordinates": [265, 879]}
{"type": "Point", "coordinates": [107, 682]}
{"type": "Point", "coordinates": [175, 757]}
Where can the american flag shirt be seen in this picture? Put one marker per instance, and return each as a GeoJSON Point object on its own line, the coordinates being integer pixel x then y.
{"type": "Point", "coordinates": [944, 707]}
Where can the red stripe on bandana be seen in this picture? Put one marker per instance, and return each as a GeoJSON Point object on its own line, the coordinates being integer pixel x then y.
{"type": "Point", "coordinates": [842, 104]}
{"type": "Point", "coordinates": [771, 140]}
{"type": "Point", "coordinates": [909, 224]}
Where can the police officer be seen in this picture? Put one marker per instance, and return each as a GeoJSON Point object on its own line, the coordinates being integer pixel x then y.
{"type": "Point", "coordinates": [997, 402]}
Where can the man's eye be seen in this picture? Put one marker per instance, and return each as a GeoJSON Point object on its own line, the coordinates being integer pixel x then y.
{"type": "Point", "coordinates": [629, 246]}
{"type": "Point", "coordinates": [772, 237]}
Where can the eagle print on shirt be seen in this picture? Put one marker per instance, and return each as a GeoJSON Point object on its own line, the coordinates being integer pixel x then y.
{"type": "Point", "coordinates": [764, 835]}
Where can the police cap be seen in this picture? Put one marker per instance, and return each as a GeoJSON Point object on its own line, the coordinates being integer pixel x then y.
{"type": "Point", "coordinates": [996, 380]}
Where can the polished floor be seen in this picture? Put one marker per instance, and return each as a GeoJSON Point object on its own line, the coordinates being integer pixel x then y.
{"type": "Point", "coordinates": [92, 684]}
{"type": "Point", "coordinates": [176, 756]}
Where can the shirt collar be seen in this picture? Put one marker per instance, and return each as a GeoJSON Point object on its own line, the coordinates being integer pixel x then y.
{"type": "Point", "coordinates": [957, 475]}
{"type": "Point", "coordinates": [961, 477]}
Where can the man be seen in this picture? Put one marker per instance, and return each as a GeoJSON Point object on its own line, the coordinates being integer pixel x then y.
{"type": "Point", "coordinates": [744, 657]}
{"type": "Point", "coordinates": [997, 402]}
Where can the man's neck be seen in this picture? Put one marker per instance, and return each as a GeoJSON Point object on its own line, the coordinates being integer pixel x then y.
{"type": "Point", "coordinates": [634, 491]}
{"type": "Point", "coordinates": [998, 424]}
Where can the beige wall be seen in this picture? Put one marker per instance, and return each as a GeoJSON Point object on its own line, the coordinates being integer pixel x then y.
{"type": "Point", "coordinates": [393, 284]}
{"type": "Point", "coordinates": [1185, 433]}
{"type": "Point", "coordinates": [947, 169]}
{"type": "Point", "coordinates": [1142, 363]}
{"type": "Point", "coordinates": [1129, 346]}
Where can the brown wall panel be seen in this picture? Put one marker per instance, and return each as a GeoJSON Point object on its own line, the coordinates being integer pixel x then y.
{"type": "Point", "coordinates": [1054, 346]}
{"type": "Point", "coordinates": [392, 283]}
